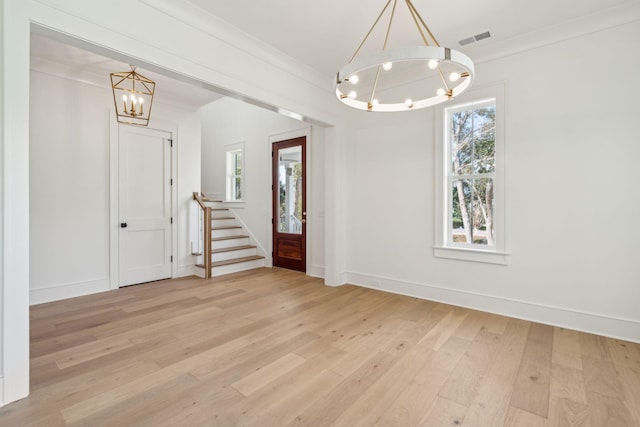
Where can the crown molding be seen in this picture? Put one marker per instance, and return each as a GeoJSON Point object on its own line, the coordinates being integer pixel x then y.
{"type": "Point", "coordinates": [202, 20]}
{"type": "Point", "coordinates": [608, 18]}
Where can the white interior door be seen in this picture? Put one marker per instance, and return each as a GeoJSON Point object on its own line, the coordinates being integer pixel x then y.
{"type": "Point", "coordinates": [144, 205]}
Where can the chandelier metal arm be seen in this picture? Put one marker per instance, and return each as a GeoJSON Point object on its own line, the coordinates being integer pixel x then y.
{"type": "Point", "coordinates": [415, 20]}
{"type": "Point", "coordinates": [370, 31]}
{"type": "Point", "coordinates": [384, 47]}
{"type": "Point", "coordinates": [444, 80]}
{"type": "Point", "coordinates": [413, 10]}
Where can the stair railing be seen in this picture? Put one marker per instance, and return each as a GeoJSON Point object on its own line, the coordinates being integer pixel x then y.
{"type": "Point", "coordinates": [206, 234]}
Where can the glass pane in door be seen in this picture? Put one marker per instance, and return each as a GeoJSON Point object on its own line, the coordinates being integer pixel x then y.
{"type": "Point", "coordinates": [290, 184]}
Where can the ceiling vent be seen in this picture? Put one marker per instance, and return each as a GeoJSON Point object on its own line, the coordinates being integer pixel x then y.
{"type": "Point", "coordinates": [475, 38]}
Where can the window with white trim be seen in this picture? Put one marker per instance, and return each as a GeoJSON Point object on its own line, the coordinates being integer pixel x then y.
{"type": "Point", "coordinates": [235, 172]}
{"type": "Point", "coordinates": [470, 140]}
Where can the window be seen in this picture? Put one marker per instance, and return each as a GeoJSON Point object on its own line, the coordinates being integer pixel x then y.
{"type": "Point", "coordinates": [235, 172]}
{"type": "Point", "coordinates": [470, 217]}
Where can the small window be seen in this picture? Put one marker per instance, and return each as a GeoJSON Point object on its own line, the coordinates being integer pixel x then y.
{"type": "Point", "coordinates": [471, 179]}
{"type": "Point", "coordinates": [235, 173]}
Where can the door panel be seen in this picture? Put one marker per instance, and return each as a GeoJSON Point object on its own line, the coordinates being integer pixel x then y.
{"type": "Point", "coordinates": [144, 205]}
{"type": "Point", "coordinates": [289, 204]}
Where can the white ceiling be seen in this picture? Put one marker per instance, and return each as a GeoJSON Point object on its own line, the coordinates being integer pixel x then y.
{"type": "Point", "coordinates": [68, 61]}
{"type": "Point", "coordinates": [324, 34]}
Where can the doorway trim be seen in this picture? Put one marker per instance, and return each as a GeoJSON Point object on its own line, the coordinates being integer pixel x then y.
{"type": "Point", "coordinates": [297, 133]}
{"type": "Point", "coordinates": [114, 197]}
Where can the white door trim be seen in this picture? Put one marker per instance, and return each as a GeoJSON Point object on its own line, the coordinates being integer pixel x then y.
{"type": "Point", "coordinates": [114, 197]}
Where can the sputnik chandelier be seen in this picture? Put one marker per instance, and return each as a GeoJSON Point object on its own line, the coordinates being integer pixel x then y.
{"type": "Point", "coordinates": [132, 97]}
{"type": "Point", "coordinates": [405, 78]}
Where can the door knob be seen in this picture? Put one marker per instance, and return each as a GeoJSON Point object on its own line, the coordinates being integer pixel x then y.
{"type": "Point", "coordinates": [303, 221]}
{"type": "Point", "coordinates": [123, 225]}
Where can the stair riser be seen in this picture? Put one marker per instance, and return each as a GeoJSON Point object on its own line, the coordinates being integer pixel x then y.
{"type": "Point", "coordinates": [226, 232]}
{"type": "Point", "coordinates": [220, 214]}
{"type": "Point", "coordinates": [215, 205]}
{"type": "Point", "coordinates": [222, 222]}
{"type": "Point", "coordinates": [234, 268]}
{"type": "Point", "coordinates": [231, 243]}
{"type": "Point", "coordinates": [223, 256]}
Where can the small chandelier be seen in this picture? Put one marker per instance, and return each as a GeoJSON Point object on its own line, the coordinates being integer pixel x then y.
{"type": "Point", "coordinates": [406, 78]}
{"type": "Point", "coordinates": [132, 97]}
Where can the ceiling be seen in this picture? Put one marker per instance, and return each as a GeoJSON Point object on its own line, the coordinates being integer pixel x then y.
{"type": "Point", "coordinates": [324, 34]}
{"type": "Point", "coordinates": [68, 61]}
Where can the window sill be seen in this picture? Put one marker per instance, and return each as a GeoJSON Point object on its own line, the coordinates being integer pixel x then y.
{"type": "Point", "coordinates": [473, 255]}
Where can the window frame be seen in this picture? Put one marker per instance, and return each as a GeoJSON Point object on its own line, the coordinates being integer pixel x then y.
{"type": "Point", "coordinates": [443, 247]}
{"type": "Point", "coordinates": [231, 151]}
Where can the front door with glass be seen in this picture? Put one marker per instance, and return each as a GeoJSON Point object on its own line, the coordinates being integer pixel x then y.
{"type": "Point", "coordinates": [289, 204]}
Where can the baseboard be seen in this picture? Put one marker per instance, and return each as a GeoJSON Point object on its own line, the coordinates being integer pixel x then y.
{"type": "Point", "coordinates": [2, 402]}
{"type": "Point", "coordinates": [316, 271]}
{"type": "Point", "coordinates": [593, 323]}
{"type": "Point", "coordinates": [70, 290]}
{"type": "Point", "coordinates": [190, 270]}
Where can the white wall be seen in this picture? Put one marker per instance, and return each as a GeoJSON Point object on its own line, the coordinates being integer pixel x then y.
{"type": "Point", "coordinates": [70, 185]}
{"type": "Point", "coordinates": [228, 121]}
{"type": "Point", "coordinates": [141, 33]}
{"type": "Point", "coordinates": [572, 193]}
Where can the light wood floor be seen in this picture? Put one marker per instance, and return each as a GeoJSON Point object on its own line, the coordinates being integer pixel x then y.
{"type": "Point", "coordinates": [276, 348]}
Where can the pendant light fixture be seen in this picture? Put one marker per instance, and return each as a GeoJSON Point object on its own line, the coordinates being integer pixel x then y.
{"type": "Point", "coordinates": [132, 97]}
{"type": "Point", "coordinates": [405, 78]}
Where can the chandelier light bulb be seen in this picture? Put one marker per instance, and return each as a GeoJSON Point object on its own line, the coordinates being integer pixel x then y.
{"type": "Point", "coordinates": [375, 101]}
{"type": "Point", "coordinates": [433, 64]}
{"type": "Point", "coordinates": [387, 66]}
{"type": "Point", "coordinates": [454, 77]}
{"type": "Point", "coordinates": [354, 79]}
{"type": "Point", "coordinates": [352, 94]}
{"type": "Point", "coordinates": [140, 100]}
{"type": "Point", "coordinates": [440, 92]}
{"type": "Point", "coordinates": [408, 102]}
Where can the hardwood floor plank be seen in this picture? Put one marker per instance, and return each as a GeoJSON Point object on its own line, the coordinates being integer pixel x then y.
{"type": "Point", "coordinates": [608, 411]}
{"type": "Point", "coordinates": [263, 376]}
{"type": "Point", "coordinates": [326, 410]}
{"type": "Point", "coordinates": [173, 353]}
{"type": "Point", "coordinates": [630, 380]}
{"type": "Point", "coordinates": [444, 413]}
{"type": "Point", "coordinates": [567, 413]}
{"type": "Point", "coordinates": [567, 383]}
{"type": "Point", "coordinates": [462, 385]}
{"type": "Point", "coordinates": [414, 402]}
{"type": "Point", "coordinates": [516, 417]}
{"type": "Point", "coordinates": [600, 377]}
{"type": "Point", "coordinates": [490, 404]}
{"type": "Point", "coordinates": [532, 387]}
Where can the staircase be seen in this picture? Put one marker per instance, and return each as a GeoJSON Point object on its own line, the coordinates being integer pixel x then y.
{"type": "Point", "coordinates": [231, 248]}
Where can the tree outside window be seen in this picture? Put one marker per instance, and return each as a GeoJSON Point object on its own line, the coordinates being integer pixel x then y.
{"type": "Point", "coordinates": [471, 173]}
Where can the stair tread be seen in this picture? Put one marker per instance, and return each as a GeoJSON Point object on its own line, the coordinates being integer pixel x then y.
{"type": "Point", "coordinates": [226, 227]}
{"type": "Point", "coordinates": [222, 217]}
{"type": "Point", "coordinates": [239, 236]}
{"type": "Point", "coordinates": [219, 209]}
{"type": "Point", "coordinates": [232, 248]}
{"type": "Point", "coordinates": [236, 260]}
